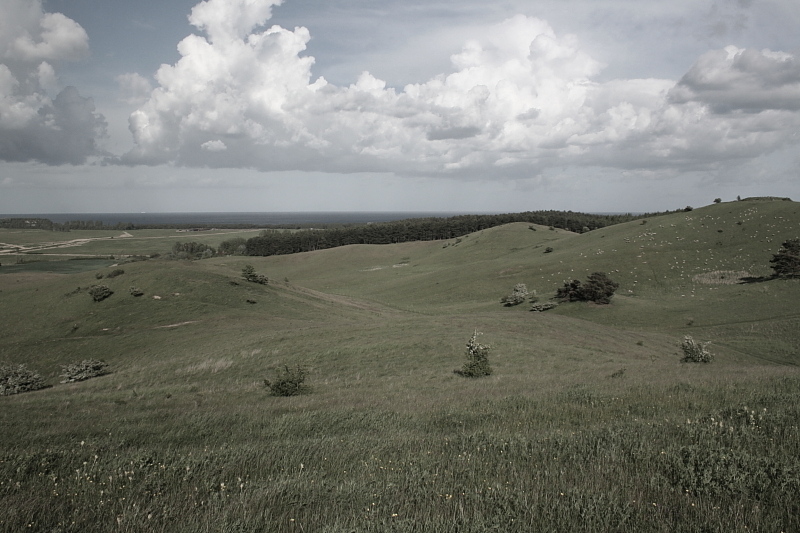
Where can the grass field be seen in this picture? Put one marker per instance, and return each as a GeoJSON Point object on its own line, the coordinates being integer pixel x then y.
{"type": "Point", "coordinates": [589, 421]}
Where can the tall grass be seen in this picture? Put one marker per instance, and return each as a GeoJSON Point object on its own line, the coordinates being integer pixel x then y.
{"type": "Point", "coordinates": [681, 458]}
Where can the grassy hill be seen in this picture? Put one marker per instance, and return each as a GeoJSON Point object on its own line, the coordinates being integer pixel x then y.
{"type": "Point", "coordinates": [589, 422]}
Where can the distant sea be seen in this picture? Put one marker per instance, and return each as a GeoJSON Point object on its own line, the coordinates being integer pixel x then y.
{"type": "Point", "coordinates": [323, 217]}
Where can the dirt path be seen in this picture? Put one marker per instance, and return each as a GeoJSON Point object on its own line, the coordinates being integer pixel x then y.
{"type": "Point", "coordinates": [56, 245]}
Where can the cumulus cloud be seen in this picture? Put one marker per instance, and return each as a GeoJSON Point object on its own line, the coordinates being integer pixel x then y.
{"type": "Point", "coordinates": [34, 126]}
{"type": "Point", "coordinates": [134, 88]}
{"type": "Point", "coordinates": [735, 79]}
{"type": "Point", "coordinates": [520, 98]}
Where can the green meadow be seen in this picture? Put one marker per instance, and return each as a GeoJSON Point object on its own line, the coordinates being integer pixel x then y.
{"type": "Point", "coordinates": [589, 421]}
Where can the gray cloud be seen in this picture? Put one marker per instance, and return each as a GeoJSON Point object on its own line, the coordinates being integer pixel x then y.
{"type": "Point", "coordinates": [747, 80]}
{"type": "Point", "coordinates": [64, 131]}
{"type": "Point", "coordinates": [34, 127]}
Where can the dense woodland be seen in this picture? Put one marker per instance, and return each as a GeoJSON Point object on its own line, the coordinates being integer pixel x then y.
{"type": "Point", "coordinates": [421, 229]}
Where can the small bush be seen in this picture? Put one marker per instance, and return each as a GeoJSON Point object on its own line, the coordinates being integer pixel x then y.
{"type": "Point", "coordinates": [517, 295]}
{"type": "Point", "coordinates": [100, 292]}
{"type": "Point", "coordinates": [548, 250]}
{"type": "Point", "coordinates": [477, 364]}
{"type": "Point", "coordinates": [99, 275]}
{"type": "Point", "coordinates": [135, 291]}
{"type": "Point", "coordinates": [86, 369]}
{"type": "Point", "coordinates": [289, 382]}
{"type": "Point", "coordinates": [695, 352]}
{"type": "Point", "coordinates": [249, 274]}
{"type": "Point", "coordinates": [541, 307]}
{"type": "Point", "coordinates": [114, 273]}
{"type": "Point", "coordinates": [15, 379]}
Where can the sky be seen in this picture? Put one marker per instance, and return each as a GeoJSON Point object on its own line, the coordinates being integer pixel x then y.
{"type": "Point", "coordinates": [379, 105]}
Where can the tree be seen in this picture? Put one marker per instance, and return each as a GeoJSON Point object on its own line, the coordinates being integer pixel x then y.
{"type": "Point", "coordinates": [517, 295]}
{"type": "Point", "coordinates": [599, 288]}
{"type": "Point", "coordinates": [477, 364]}
{"type": "Point", "coordinates": [786, 263]}
{"type": "Point", "coordinates": [249, 274]}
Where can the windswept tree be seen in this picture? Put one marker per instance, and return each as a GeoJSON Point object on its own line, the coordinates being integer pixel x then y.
{"type": "Point", "coordinates": [786, 263]}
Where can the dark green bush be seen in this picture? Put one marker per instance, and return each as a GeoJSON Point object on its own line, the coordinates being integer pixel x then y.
{"type": "Point", "coordinates": [599, 288]}
{"type": "Point", "coordinates": [135, 291]}
{"type": "Point", "coordinates": [249, 274]}
{"type": "Point", "coordinates": [786, 263]}
{"type": "Point", "coordinates": [100, 292]}
{"type": "Point", "coordinates": [86, 369]}
{"type": "Point", "coordinates": [114, 273]}
{"type": "Point", "coordinates": [695, 352]}
{"type": "Point", "coordinates": [289, 382]}
{"type": "Point", "coordinates": [18, 378]}
{"type": "Point", "coordinates": [477, 364]}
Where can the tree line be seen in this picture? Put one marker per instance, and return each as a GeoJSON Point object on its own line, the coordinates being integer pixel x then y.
{"type": "Point", "coordinates": [273, 242]}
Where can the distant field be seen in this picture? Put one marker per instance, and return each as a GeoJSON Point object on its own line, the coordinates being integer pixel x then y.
{"type": "Point", "coordinates": [589, 421]}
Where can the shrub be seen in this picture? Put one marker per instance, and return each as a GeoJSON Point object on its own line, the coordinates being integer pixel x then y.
{"type": "Point", "coordinates": [114, 273]}
{"type": "Point", "coordinates": [86, 369]}
{"type": "Point", "coordinates": [477, 364]}
{"type": "Point", "coordinates": [249, 274]}
{"type": "Point", "coordinates": [786, 263]}
{"type": "Point", "coordinates": [517, 295]}
{"type": "Point", "coordinates": [99, 275]}
{"type": "Point", "coordinates": [548, 250]}
{"type": "Point", "coordinates": [599, 288]}
{"type": "Point", "coordinates": [695, 352]}
{"type": "Point", "coordinates": [18, 378]}
{"type": "Point", "coordinates": [289, 382]}
{"type": "Point", "coordinates": [135, 291]}
{"type": "Point", "coordinates": [100, 292]}
{"type": "Point", "coordinates": [546, 306]}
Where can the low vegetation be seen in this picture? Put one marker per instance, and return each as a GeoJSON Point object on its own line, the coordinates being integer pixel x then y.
{"type": "Point", "coordinates": [695, 352]}
{"type": "Point", "coordinates": [249, 274]}
{"type": "Point", "coordinates": [477, 364]}
{"type": "Point", "coordinates": [588, 421]}
{"type": "Point", "coordinates": [517, 296]}
{"type": "Point", "coordinates": [15, 379]}
{"type": "Point", "coordinates": [290, 381]}
{"type": "Point", "coordinates": [86, 369]}
{"type": "Point", "coordinates": [100, 292]}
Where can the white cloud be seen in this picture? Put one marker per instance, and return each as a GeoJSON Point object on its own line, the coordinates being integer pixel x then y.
{"type": "Point", "coordinates": [520, 99]}
{"type": "Point", "coordinates": [34, 127]}
{"type": "Point", "coordinates": [214, 146]}
{"type": "Point", "coordinates": [133, 88]}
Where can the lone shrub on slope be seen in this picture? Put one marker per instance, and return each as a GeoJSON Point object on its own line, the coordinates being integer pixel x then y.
{"type": "Point", "coordinates": [517, 295]}
{"type": "Point", "coordinates": [289, 382]}
{"type": "Point", "coordinates": [477, 364]}
{"type": "Point", "coordinates": [695, 352]}
{"type": "Point", "coordinates": [249, 274]}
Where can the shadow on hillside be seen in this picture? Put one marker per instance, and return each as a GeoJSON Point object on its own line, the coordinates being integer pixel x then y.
{"type": "Point", "coordinates": [755, 279]}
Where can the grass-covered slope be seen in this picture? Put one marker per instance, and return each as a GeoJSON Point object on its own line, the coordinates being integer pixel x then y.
{"type": "Point", "coordinates": [589, 421]}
